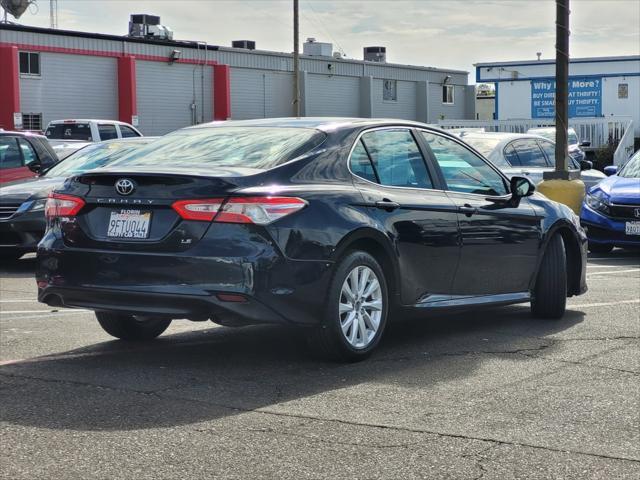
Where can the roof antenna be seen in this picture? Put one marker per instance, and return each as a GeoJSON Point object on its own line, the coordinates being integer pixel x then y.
{"type": "Point", "coordinates": [539, 54]}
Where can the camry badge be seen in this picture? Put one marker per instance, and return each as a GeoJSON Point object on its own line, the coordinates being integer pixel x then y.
{"type": "Point", "coordinates": [124, 186]}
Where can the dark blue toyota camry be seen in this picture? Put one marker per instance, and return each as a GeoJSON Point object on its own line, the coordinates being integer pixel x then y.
{"type": "Point", "coordinates": [327, 224]}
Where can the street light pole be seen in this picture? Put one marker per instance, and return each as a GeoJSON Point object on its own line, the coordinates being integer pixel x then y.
{"type": "Point", "coordinates": [561, 184]}
{"type": "Point", "coordinates": [296, 60]}
{"type": "Point", "coordinates": [562, 84]}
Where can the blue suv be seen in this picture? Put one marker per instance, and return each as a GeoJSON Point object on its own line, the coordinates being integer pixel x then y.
{"type": "Point", "coordinates": [611, 209]}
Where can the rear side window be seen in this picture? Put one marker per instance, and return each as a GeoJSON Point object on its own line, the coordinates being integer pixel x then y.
{"type": "Point", "coordinates": [128, 132]}
{"type": "Point", "coordinates": [209, 147]}
{"type": "Point", "coordinates": [529, 153]}
{"type": "Point", "coordinates": [360, 163]}
{"type": "Point", "coordinates": [28, 153]}
{"type": "Point", "coordinates": [107, 131]}
{"type": "Point", "coordinates": [511, 156]}
{"type": "Point", "coordinates": [397, 159]}
{"type": "Point", "coordinates": [69, 131]}
{"type": "Point", "coordinates": [10, 156]}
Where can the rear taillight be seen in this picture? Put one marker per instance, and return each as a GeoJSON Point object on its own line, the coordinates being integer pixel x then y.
{"type": "Point", "coordinates": [60, 205]}
{"type": "Point", "coordinates": [258, 210]}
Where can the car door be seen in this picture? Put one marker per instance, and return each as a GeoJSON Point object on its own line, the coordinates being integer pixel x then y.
{"type": "Point", "coordinates": [396, 183]}
{"type": "Point", "coordinates": [12, 164]}
{"type": "Point", "coordinates": [500, 238]}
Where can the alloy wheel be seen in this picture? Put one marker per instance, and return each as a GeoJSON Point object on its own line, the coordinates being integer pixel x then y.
{"type": "Point", "coordinates": [360, 307]}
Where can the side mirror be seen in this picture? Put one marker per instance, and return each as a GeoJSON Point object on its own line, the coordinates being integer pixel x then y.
{"type": "Point", "coordinates": [586, 164]}
{"type": "Point", "coordinates": [610, 170]}
{"type": "Point", "coordinates": [35, 167]}
{"type": "Point", "coordinates": [522, 187]}
{"type": "Point", "coordinates": [584, 144]}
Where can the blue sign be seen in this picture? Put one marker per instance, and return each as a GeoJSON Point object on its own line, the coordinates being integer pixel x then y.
{"type": "Point", "coordinates": [585, 98]}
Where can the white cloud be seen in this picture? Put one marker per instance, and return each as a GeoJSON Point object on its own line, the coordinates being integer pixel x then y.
{"type": "Point", "coordinates": [452, 33]}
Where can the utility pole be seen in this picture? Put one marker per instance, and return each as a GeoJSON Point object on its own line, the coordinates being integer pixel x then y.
{"type": "Point", "coordinates": [562, 84]}
{"type": "Point", "coordinates": [561, 184]}
{"type": "Point", "coordinates": [53, 13]}
{"type": "Point", "coordinates": [296, 60]}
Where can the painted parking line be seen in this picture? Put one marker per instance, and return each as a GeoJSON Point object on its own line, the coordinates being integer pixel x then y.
{"type": "Point", "coordinates": [62, 310]}
{"type": "Point", "coordinates": [612, 266]}
{"type": "Point", "coordinates": [613, 272]}
{"type": "Point", "coordinates": [20, 300]}
{"type": "Point", "coordinates": [45, 315]}
{"type": "Point", "coordinates": [603, 304]}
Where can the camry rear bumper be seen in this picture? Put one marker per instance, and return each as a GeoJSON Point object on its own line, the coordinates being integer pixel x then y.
{"type": "Point", "coordinates": [263, 289]}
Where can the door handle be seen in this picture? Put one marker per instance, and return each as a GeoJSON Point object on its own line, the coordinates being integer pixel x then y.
{"type": "Point", "coordinates": [387, 205]}
{"type": "Point", "coordinates": [467, 209]}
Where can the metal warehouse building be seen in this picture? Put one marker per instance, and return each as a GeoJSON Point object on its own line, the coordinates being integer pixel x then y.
{"type": "Point", "coordinates": [162, 85]}
{"type": "Point", "coordinates": [598, 87]}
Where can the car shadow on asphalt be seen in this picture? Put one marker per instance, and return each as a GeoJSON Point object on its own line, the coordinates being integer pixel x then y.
{"type": "Point", "coordinates": [191, 377]}
{"type": "Point", "coordinates": [23, 268]}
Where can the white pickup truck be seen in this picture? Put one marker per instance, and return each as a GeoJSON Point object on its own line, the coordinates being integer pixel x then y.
{"type": "Point", "coordinates": [67, 136]}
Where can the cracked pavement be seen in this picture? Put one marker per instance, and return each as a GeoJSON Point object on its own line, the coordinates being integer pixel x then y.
{"type": "Point", "coordinates": [494, 394]}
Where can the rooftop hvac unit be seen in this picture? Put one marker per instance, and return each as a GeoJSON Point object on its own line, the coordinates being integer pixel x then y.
{"type": "Point", "coordinates": [148, 26]}
{"type": "Point", "coordinates": [246, 44]}
{"type": "Point", "coordinates": [317, 49]}
{"type": "Point", "coordinates": [375, 54]}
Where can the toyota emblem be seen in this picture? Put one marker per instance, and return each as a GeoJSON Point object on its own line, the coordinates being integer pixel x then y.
{"type": "Point", "coordinates": [125, 186]}
{"type": "Point", "coordinates": [636, 212]}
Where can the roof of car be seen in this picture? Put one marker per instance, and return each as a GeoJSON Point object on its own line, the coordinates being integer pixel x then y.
{"type": "Point", "coordinates": [87, 120]}
{"type": "Point", "coordinates": [21, 134]}
{"type": "Point", "coordinates": [320, 123]}
{"type": "Point", "coordinates": [499, 135]}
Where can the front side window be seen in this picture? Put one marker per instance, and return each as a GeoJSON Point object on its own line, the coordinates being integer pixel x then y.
{"type": "Point", "coordinates": [396, 159]}
{"type": "Point", "coordinates": [29, 63]}
{"type": "Point", "coordinates": [10, 156]}
{"type": "Point", "coordinates": [69, 131]}
{"type": "Point", "coordinates": [529, 153]}
{"type": "Point", "coordinates": [210, 147]}
{"type": "Point", "coordinates": [462, 169]}
{"type": "Point", "coordinates": [448, 93]}
{"type": "Point", "coordinates": [107, 131]}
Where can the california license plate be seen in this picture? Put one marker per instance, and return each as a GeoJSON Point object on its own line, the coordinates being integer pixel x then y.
{"type": "Point", "coordinates": [129, 224]}
{"type": "Point", "coordinates": [632, 228]}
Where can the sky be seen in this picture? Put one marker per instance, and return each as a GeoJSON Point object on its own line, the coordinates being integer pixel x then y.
{"type": "Point", "coordinates": [438, 33]}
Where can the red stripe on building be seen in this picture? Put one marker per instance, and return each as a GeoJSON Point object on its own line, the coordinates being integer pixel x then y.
{"type": "Point", "coordinates": [127, 102]}
{"type": "Point", "coordinates": [9, 85]}
{"type": "Point", "coordinates": [221, 92]}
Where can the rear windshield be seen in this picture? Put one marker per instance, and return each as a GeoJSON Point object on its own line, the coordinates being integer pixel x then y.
{"type": "Point", "coordinates": [250, 147]}
{"type": "Point", "coordinates": [484, 145]}
{"type": "Point", "coordinates": [92, 156]}
{"type": "Point", "coordinates": [69, 131]}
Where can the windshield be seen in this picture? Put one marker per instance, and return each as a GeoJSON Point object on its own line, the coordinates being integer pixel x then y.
{"type": "Point", "coordinates": [251, 147]}
{"type": "Point", "coordinates": [484, 145]}
{"type": "Point", "coordinates": [632, 168]}
{"type": "Point", "coordinates": [69, 131]}
{"type": "Point", "coordinates": [92, 156]}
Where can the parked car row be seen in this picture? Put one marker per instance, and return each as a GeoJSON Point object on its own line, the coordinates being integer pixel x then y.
{"type": "Point", "coordinates": [246, 222]}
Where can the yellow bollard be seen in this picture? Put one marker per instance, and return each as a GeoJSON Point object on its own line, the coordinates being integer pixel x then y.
{"type": "Point", "coordinates": [569, 192]}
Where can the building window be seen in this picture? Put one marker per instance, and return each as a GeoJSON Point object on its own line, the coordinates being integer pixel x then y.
{"type": "Point", "coordinates": [29, 63]}
{"type": "Point", "coordinates": [390, 90]}
{"type": "Point", "coordinates": [448, 94]}
{"type": "Point", "coordinates": [32, 121]}
{"type": "Point", "coordinates": [623, 90]}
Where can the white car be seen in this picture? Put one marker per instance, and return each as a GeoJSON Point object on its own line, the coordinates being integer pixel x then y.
{"type": "Point", "coordinates": [524, 154]}
{"type": "Point", "coordinates": [66, 135]}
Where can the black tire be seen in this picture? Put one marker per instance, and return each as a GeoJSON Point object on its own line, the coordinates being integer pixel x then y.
{"type": "Point", "coordinates": [600, 247]}
{"type": "Point", "coordinates": [130, 328]}
{"type": "Point", "coordinates": [549, 298]}
{"type": "Point", "coordinates": [327, 340]}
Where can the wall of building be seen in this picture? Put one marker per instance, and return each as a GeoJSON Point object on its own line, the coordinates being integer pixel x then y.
{"type": "Point", "coordinates": [485, 108]}
{"type": "Point", "coordinates": [71, 86]}
{"type": "Point", "coordinates": [166, 93]}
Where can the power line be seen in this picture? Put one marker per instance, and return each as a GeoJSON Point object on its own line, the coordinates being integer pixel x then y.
{"type": "Point", "coordinates": [320, 24]}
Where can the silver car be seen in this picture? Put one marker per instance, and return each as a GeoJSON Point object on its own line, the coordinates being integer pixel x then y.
{"type": "Point", "coordinates": [524, 154]}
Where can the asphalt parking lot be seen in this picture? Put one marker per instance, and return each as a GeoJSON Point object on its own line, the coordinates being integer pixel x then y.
{"type": "Point", "coordinates": [494, 395]}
